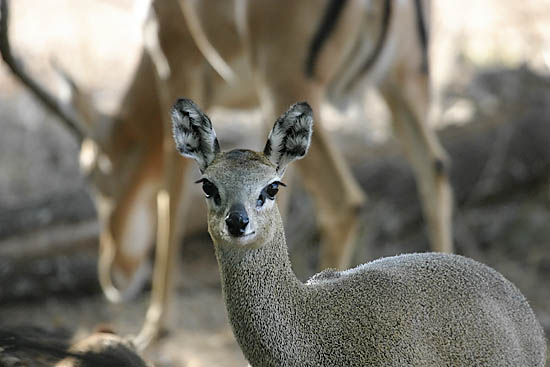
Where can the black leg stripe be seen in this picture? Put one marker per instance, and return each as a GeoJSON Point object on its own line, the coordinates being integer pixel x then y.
{"type": "Point", "coordinates": [332, 13]}
{"type": "Point", "coordinates": [386, 15]}
{"type": "Point", "coordinates": [422, 33]}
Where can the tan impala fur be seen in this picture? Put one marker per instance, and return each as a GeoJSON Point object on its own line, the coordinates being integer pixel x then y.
{"type": "Point", "coordinates": [261, 48]}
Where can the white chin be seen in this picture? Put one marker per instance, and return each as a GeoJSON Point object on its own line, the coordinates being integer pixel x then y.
{"type": "Point", "coordinates": [245, 240]}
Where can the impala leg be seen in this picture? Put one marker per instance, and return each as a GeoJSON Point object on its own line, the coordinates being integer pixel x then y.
{"type": "Point", "coordinates": [338, 197]}
{"type": "Point", "coordinates": [327, 177]}
{"type": "Point", "coordinates": [169, 196]}
{"type": "Point", "coordinates": [169, 229]}
{"type": "Point", "coordinates": [408, 101]}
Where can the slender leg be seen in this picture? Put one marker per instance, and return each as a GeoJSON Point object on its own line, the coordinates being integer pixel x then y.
{"type": "Point", "coordinates": [408, 101]}
{"type": "Point", "coordinates": [168, 197]}
{"type": "Point", "coordinates": [338, 198]}
{"type": "Point", "coordinates": [178, 71]}
{"type": "Point", "coordinates": [168, 230]}
{"type": "Point", "coordinates": [161, 158]}
{"type": "Point", "coordinates": [326, 176]}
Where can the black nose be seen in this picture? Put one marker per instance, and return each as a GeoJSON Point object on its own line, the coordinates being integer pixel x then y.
{"type": "Point", "coordinates": [237, 220]}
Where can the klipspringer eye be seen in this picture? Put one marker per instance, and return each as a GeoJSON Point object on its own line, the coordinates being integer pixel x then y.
{"type": "Point", "coordinates": [269, 192]}
{"type": "Point", "coordinates": [210, 190]}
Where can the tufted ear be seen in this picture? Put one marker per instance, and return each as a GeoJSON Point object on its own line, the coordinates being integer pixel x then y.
{"type": "Point", "coordinates": [195, 138]}
{"type": "Point", "coordinates": [290, 137]}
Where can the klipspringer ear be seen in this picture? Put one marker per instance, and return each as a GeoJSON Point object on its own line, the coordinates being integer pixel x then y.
{"type": "Point", "coordinates": [195, 138]}
{"type": "Point", "coordinates": [290, 137]}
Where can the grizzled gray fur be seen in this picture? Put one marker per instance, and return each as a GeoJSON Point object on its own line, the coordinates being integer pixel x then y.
{"type": "Point", "coordinates": [410, 310]}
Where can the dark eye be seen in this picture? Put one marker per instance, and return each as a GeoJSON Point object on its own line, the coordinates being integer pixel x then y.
{"type": "Point", "coordinates": [210, 190]}
{"type": "Point", "coordinates": [272, 189]}
{"type": "Point", "coordinates": [269, 192]}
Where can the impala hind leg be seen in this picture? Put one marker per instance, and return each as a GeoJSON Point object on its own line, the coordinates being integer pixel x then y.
{"type": "Point", "coordinates": [408, 100]}
{"type": "Point", "coordinates": [327, 177]}
{"type": "Point", "coordinates": [169, 230]}
{"type": "Point", "coordinates": [169, 197]}
{"type": "Point", "coordinates": [338, 200]}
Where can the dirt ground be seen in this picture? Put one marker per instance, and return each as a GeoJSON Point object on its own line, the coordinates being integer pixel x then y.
{"type": "Point", "coordinates": [199, 333]}
{"type": "Point", "coordinates": [492, 96]}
